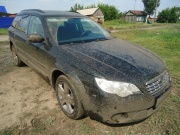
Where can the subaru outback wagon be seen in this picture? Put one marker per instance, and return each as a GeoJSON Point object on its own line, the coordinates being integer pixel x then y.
{"type": "Point", "coordinates": [93, 73]}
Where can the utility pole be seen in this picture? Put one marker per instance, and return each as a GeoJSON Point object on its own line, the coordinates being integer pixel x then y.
{"type": "Point", "coordinates": [155, 11]}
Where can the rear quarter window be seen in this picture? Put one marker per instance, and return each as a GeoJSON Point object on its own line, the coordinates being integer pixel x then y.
{"type": "Point", "coordinates": [21, 23]}
{"type": "Point", "coordinates": [16, 20]}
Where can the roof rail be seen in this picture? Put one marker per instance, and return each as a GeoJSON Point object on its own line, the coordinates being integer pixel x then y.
{"type": "Point", "coordinates": [35, 10]}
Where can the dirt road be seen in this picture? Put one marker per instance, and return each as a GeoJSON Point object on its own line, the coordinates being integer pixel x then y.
{"type": "Point", "coordinates": [145, 28]}
{"type": "Point", "coordinates": [4, 38]}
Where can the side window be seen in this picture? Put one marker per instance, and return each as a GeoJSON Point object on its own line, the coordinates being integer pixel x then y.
{"type": "Point", "coordinates": [35, 26]}
{"type": "Point", "coordinates": [23, 24]}
{"type": "Point", "coordinates": [16, 21]}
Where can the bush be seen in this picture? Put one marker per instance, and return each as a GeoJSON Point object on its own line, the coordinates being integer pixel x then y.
{"type": "Point", "coordinates": [110, 12]}
{"type": "Point", "coordinates": [169, 15]}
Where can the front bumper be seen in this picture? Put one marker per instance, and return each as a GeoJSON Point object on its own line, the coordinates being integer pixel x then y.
{"type": "Point", "coordinates": [139, 115]}
{"type": "Point", "coordinates": [115, 110]}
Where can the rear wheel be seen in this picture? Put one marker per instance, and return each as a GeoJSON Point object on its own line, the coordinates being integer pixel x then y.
{"type": "Point", "coordinates": [16, 59]}
{"type": "Point", "coordinates": [68, 98]}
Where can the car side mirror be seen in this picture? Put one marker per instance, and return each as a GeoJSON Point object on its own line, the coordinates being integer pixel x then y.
{"type": "Point", "coordinates": [35, 38]}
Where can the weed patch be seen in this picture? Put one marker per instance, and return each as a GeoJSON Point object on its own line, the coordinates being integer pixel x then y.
{"type": "Point", "coordinates": [7, 131]}
{"type": "Point", "coordinates": [3, 31]}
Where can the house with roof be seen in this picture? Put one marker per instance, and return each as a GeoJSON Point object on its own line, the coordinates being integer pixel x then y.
{"type": "Point", "coordinates": [135, 16]}
{"type": "Point", "coordinates": [3, 11]}
{"type": "Point", "coordinates": [94, 13]}
{"type": "Point", "coordinates": [5, 18]}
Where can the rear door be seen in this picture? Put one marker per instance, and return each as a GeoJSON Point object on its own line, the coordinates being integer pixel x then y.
{"type": "Point", "coordinates": [20, 36]}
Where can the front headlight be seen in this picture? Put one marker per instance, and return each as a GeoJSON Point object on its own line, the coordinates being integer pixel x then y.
{"type": "Point", "coordinates": [122, 89]}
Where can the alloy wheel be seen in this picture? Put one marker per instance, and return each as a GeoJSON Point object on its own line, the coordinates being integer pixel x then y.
{"type": "Point", "coordinates": [66, 98]}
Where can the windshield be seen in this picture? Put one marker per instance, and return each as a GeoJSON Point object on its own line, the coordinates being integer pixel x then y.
{"type": "Point", "coordinates": [72, 30]}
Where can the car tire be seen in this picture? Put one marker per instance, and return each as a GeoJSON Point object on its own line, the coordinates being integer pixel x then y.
{"type": "Point", "coordinates": [16, 59]}
{"type": "Point", "coordinates": [68, 98]}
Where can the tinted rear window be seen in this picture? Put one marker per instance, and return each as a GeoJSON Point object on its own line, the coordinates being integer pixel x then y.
{"type": "Point", "coordinates": [21, 23]}
{"type": "Point", "coordinates": [16, 20]}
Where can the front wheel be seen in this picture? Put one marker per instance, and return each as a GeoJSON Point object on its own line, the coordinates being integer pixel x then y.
{"type": "Point", "coordinates": [68, 98]}
{"type": "Point", "coordinates": [16, 59]}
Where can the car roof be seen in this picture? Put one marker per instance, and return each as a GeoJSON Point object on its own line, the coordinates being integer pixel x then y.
{"type": "Point", "coordinates": [50, 13]}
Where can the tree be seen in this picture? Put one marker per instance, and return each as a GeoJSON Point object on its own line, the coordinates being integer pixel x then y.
{"type": "Point", "coordinates": [178, 11]}
{"type": "Point", "coordinates": [76, 7]}
{"type": "Point", "coordinates": [91, 6]}
{"type": "Point", "coordinates": [150, 6]}
{"type": "Point", "coordinates": [168, 15]}
{"type": "Point", "coordinates": [110, 12]}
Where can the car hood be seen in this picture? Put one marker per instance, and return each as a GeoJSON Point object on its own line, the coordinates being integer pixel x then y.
{"type": "Point", "coordinates": [118, 60]}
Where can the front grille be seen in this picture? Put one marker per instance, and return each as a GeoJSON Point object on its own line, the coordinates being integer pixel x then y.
{"type": "Point", "coordinates": [158, 85]}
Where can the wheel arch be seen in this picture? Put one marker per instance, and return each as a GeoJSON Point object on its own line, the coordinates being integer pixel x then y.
{"type": "Point", "coordinates": [73, 78]}
{"type": "Point", "coordinates": [70, 75]}
{"type": "Point", "coordinates": [55, 74]}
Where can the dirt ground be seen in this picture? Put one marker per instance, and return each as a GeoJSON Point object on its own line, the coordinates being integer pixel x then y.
{"type": "Point", "coordinates": [28, 106]}
{"type": "Point", "coordinates": [4, 38]}
{"type": "Point", "coordinates": [23, 94]}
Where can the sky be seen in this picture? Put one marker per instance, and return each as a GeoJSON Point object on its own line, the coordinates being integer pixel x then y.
{"type": "Point", "coordinates": [15, 6]}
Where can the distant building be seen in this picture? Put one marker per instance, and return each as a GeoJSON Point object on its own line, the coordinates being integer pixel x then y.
{"type": "Point", "coordinates": [151, 20]}
{"type": "Point", "coordinates": [3, 9]}
{"type": "Point", "coordinates": [3, 12]}
{"type": "Point", "coordinates": [5, 18]}
{"type": "Point", "coordinates": [93, 13]}
{"type": "Point", "coordinates": [12, 15]}
{"type": "Point", "coordinates": [135, 16]}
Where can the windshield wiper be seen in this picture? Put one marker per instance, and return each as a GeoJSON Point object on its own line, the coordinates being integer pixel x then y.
{"type": "Point", "coordinates": [82, 41]}
{"type": "Point", "coordinates": [70, 42]}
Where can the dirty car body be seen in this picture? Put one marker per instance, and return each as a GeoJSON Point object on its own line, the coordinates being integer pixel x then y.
{"type": "Point", "coordinates": [106, 78]}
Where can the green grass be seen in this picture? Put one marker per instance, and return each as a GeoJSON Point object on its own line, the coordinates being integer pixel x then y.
{"type": "Point", "coordinates": [120, 24]}
{"type": "Point", "coordinates": [4, 42]}
{"type": "Point", "coordinates": [85, 127]}
{"type": "Point", "coordinates": [3, 31]}
{"type": "Point", "coordinates": [7, 131]}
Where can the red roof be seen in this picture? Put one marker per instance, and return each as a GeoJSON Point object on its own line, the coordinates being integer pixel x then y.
{"type": "Point", "coordinates": [137, 12]}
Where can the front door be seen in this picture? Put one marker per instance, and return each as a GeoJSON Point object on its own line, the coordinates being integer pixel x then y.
{"type": "Point", "coordinates": [38, 55]}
